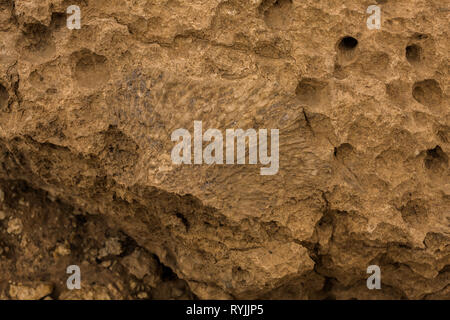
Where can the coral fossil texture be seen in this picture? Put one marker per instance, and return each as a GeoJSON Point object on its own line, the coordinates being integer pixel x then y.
{"type": "Point", "coordinates": [86, 118]}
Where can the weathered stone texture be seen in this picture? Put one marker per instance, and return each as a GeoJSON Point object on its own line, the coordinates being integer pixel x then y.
{"type": "Point", "coordinates": [364, 178]}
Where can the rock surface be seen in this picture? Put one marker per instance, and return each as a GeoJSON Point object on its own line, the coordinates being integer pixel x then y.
{"type": "Point", "coordinates": [86, 118]}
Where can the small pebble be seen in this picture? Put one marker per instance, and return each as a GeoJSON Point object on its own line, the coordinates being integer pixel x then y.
{"type": "Point", "coordinates": [15, 226]}
{"type": "Point", "coordinates": [142, 295]}
{"type": "Point", "coordinates": [106, 264]}
{"type": "Point", "coordinates": [62, 250]}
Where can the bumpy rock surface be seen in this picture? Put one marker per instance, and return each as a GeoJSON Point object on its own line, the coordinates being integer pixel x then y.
{"type": "Point", "coordinates": [86, 118]}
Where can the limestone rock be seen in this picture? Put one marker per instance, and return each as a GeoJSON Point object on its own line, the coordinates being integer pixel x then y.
{"type": "Point", "coordinates": [15, 226]}
{"type": "Point", "coordinates": [364, 128]}
{"type": "Point", "coordinates": [30, 291]}
{"type": "Point", "coordinates": [112, 247]}
{"type": "Point", "coordinates": [93, 292]}
{"type": "Point", "coordinates": [141, 264]}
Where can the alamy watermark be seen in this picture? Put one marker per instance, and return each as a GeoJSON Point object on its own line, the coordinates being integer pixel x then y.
{"type": "Point", "coordinates": [374, 21]}
{"type": "Point", "coordinates": [213, 152]}
{"type": "Point", "coordinates": [74, 20]}
{"type": "Point", "coordinates": [374, 281]}
{"type": "Point", "coordinates": [74, 281]}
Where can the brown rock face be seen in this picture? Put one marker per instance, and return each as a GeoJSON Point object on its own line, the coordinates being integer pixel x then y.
{"type": "Point", "coordinates": [87, 178]}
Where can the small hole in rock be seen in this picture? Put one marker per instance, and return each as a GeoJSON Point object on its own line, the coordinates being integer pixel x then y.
{"type": "Point", "coordinates": [428, 92]}
{"type": "Point", "coordinates": [414, 212]}
{"type": "Point", "coordinates": [413, 53]}
{"type": "Point", "coordinates": [277, 15]}
{"type": "Point", "coordinates": [436, 160]}
{"type": "Point", "coordinates": [343, 152]}
{"type": "Point", "coordinates": [348, 43]}
{"type": "Point", "coordinates": [311, 91]}
{"type": "Point", "coordinates": [91, 70]}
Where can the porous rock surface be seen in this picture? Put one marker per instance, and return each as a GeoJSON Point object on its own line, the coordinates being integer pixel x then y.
{"type": "Point", "coordinates": [86, 118]}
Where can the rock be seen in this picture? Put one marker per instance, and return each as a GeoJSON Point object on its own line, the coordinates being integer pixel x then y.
{"type": "Point", "coordinates": [112, 247]}
{"type": "Point", "coordinates": [31, 291]}
{"type": "Point", "coordinates": [15, 226]}
{"type": "Point", "coordinates": [2, 215]}
{"type": "Point", "coordinates": [363, 118]}
{"type": "Point", "coordinates": [22, 202]}
{"type": "Point", "coordinates": [106, 264]}
{"type": "Point", "coordinates": [140, 263]}
{"type": "Point", "coordinates": [62, 250]}
{"type": "Point", "coordinates": [92, 292]}
{"type": "Point", "coordinates": [29, 11]}
{"type": "Point", "coordinates": [142, 295]}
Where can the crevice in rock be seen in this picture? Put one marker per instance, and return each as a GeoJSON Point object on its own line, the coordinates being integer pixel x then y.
{"type": "Point", "coordinates": [413, 53]}
{"type": "Point", "coordinates": [73, 236]}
